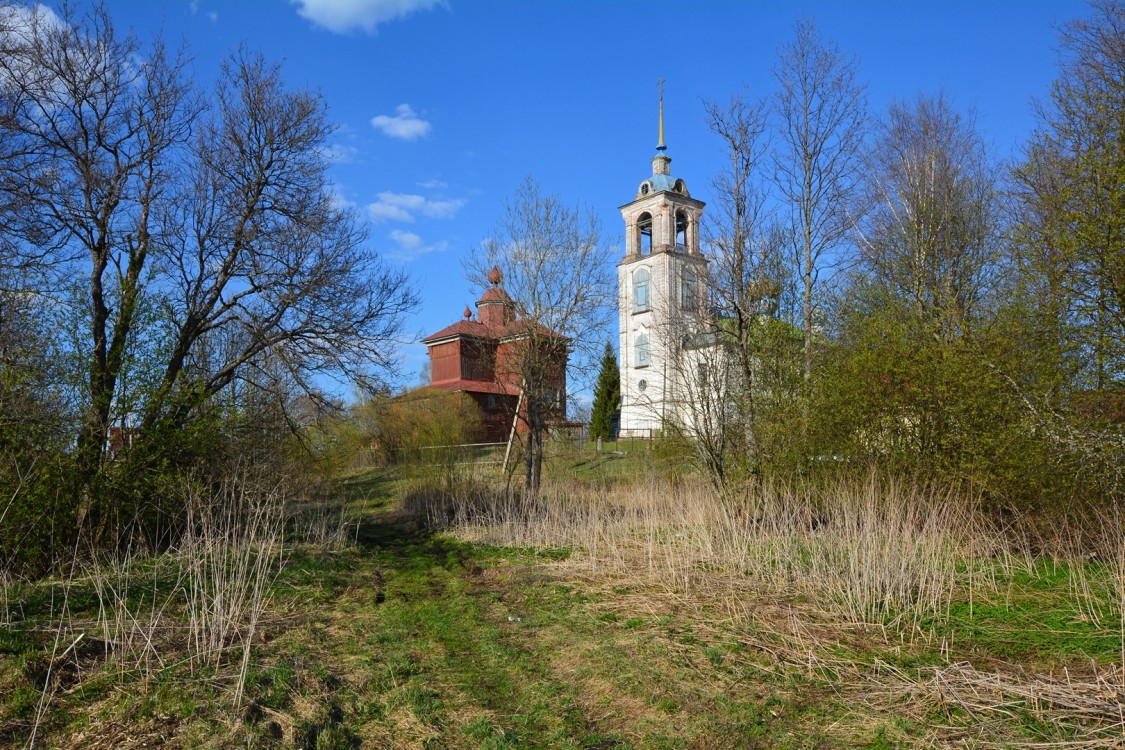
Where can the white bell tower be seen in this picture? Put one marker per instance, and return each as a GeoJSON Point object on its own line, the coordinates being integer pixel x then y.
{"type": "Point", "coordinates": [661, 290]}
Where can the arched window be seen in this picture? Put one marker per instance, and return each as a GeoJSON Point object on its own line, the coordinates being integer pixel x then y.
{"type": "Point", "coordinates": [640, 290]}
{"type": "Point", "coordinates": [644, 228]}
{"type": "Point", "coordinates": [689, 291]}
{"type": "Point", "coordinates": [640, 351]}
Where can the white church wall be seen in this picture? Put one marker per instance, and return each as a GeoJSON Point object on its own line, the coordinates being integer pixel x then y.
{"type": "Point", "coordinates": [648, 391]}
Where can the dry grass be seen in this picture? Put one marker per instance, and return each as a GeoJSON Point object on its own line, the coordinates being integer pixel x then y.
{"type": "Point", "coordinates": [229, 557]}
{"type": "Point", "coordinates": [195, 608]}
{"type": "Point", "coordinates": [1092, 705]}
{"type": "Point", "coordinates": [134, 604]}
{"type": "Point", "coordinates": [876, 552]}
{"type": "Point", "coordinates": [831, 577]}
{"type": "Point", "coordinates": [829, 610]}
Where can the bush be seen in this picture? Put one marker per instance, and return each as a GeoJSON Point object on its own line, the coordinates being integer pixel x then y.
{"type": "Point", "coordinates": [404, 428]}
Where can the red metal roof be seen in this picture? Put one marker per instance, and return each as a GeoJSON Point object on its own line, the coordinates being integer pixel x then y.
{"type": "Point", "coordinates": [495, 294]}
{"type": "Point", "coordinates": [479, 330]}
{"type": "Point", "coordinates": [462, 328]}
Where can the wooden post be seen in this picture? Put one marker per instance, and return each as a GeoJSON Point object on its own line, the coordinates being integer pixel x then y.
{"type": "Point", "coordinates": [512, 433]}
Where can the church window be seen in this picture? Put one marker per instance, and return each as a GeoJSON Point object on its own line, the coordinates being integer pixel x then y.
{"type": "Point", "coordinates": [644, 230]}
{"type": "Point", "coordinates": [640, 290]}
{"type": "Point", "coordinates": [642, 384]}
{"type": "Point", "coordinates": [689, 297]}
{"type": "Point", "coordinates": [641, 351]}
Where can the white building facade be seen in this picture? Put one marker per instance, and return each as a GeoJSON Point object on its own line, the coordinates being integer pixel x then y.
{"type": "Point", "coordinates": [662, 286]}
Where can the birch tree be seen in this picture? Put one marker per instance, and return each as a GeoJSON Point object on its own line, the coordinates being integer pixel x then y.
{"type": "Point", "coordinates": [822, 113]}
{"type": "Point", "coordinates": [726, 363]}
{"type": "Point", "coordinates": [932, 237]}
{"type": "Point", "coordinates": [555, 266]}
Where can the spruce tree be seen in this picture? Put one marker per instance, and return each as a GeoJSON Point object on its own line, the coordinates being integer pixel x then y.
{"type": "Point", "coordinates": [607, 396]}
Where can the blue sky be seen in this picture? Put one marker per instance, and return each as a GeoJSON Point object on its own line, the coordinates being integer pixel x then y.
{"type": "Point", "coordinates": [444, 107]}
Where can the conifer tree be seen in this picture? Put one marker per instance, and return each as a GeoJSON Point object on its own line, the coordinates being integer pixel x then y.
{"type": "Point", "coordinates": [607, 396]}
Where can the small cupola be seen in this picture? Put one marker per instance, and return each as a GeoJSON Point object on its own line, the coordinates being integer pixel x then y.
{"type": "Point", "coordinates": [662, 179]}
{"type": "Point", "coordinates": [495, 308]}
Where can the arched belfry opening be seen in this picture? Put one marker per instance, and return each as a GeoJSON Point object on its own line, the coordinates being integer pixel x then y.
{"type": "Point", "coordinates": [682, 222]}
{"type": "Point", "coordinates": [644, 233]}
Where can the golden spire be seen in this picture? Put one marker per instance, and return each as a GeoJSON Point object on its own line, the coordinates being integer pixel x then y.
{"type": "Point", "coordinates": [660, 146]}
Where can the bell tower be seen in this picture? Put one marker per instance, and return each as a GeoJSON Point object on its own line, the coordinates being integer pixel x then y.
{"type": "Point", "coordinates": [661, 291]}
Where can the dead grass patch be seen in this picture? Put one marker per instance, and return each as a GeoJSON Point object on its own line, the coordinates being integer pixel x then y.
{"type": "Point", "coordinates": [848, 586]}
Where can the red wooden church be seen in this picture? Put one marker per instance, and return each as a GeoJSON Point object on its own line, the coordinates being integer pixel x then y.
{"type": "Point", "coordinates": [480, 357]}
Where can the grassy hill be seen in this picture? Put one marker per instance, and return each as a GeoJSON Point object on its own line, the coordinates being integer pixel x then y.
{"type": "Point", "coordinates": [624, 608]}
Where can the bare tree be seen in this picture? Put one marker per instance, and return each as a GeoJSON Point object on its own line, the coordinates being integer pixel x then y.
{"type": "Point", "coordinates": [205, 230]}
{"type": "Point", "coordinates": [555, 267]}
{"type": "Point", "coordinates": [710, 397]}
{"type": "Point", "coordinates": [747, 280]}
{"type": "Point", "coordinates": [932, 236]}
{"type": "Point", "coordinates": [258, 253]}
{"type": "Point", "coordinates": [822, 109]}
{"type": "Point", "coordinates": [91, 128]}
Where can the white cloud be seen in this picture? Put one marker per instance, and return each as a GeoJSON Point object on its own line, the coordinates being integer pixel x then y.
{"type": "Point", "coordinates": [341, 202]}
{"type": "Point", "coordinates": [340, 152]}
{"type": "Point", "coordinates": [411, 246]}
{"type": "Point", "coordinates": [213, 17]}
{"type": "Point", "coordinates": [433, 185]}
{"type": "Point", "coordinates": [20, 27]}
{"type": "Point", "coordinates": [342, 16]}
{"type": "Point", "coordinates": [406, 240]}
{"type": "Point", "coordinates": [20, 23]}
{"type": "Point", "coordinates": [405, 124]}
{"type": "Point", "coordinates": [405, 207]}
{"type": "Point", "coordinates": [389, 211]}
{"type": "Point", "coordinates": [194, 6]}
{"type": "Point", "coordinates": [442, 209]}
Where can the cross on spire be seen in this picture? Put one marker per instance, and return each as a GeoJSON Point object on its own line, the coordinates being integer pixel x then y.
{"type": "Point", "coordinates": [660, 85]}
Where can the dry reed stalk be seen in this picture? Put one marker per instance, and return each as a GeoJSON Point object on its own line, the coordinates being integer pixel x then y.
{"type": "Point", "coordinates": [7, 585]}
{"type": "Point", "coordinates": [1093, 560]}
{"type": "Point", "coordinates": [875, 551]}
{"type": "Point", "coordinates": [128, 628]}
{"type": "Point", "coordinates": [229, 555]}
{"type": "Point", "coordinates": [1110, 546]}
{"type": "Point", "coordinates": [1087, 711]}
{"type": "Point", "coordinates": [326, 525]}
{"type": "Point", "coordinates": [49, 684]}
{"type": "Point", "coordinates": [221, 571]}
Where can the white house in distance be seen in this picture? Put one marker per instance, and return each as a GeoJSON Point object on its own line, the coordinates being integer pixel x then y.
{"type": "Point", "coordinates": [661, 289]}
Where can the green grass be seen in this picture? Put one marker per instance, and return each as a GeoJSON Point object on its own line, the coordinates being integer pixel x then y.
{"type": "Point", "coordinates": [410, 638]}
{"type": "Point", "coordinates": [1033, 620]}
